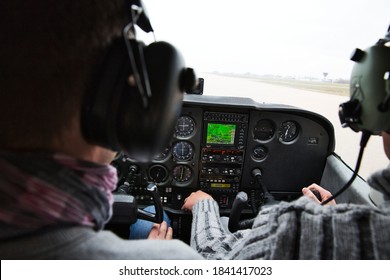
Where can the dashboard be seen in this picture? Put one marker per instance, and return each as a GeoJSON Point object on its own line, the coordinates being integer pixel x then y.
{"type": "Point", "coordinates": [217, 143]}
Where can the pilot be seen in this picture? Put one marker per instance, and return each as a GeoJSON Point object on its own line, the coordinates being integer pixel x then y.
{"type": "Point", "coordinates": [302, 229]}
{"type": "Point", "coordinates": [55, 187]}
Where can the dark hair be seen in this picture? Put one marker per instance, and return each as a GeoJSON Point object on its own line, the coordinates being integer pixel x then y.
{"type": "Point", "coordinates": [47, 52]}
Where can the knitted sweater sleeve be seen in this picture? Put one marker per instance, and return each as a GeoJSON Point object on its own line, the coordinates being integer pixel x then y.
{"type": "Point", "coordinates": [270, 237]}
{"type": "Point", "coordinates": [208, 235]}
{"type": "Point", "coordinates": [301, 229]}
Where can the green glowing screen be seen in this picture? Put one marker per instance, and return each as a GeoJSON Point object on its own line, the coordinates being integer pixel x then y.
{"type": "Point", "coordinates": [218, 133]}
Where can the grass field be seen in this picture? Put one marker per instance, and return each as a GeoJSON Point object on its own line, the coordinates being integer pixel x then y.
{"type": "Point", "coordinates": [319, 86]}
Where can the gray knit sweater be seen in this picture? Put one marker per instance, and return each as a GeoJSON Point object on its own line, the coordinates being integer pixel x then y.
{"type": "Point", "coordinates": [301, 229]}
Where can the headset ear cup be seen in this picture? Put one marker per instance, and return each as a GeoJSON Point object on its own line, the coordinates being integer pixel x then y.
{"type": "Point", "coordinates": [368, 89]}
{"type": "Point", "coordinates": [144, 132]}
{"type": "Point", "coordinates": [100, 105]}
{"type": "Point", "coordinates": [113, 113]}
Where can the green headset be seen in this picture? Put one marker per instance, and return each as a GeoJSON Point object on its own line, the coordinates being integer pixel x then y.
{"type": "Point", "coordinates": [369, 106]}
{"type": "Point", "coordinates": [368, 109]}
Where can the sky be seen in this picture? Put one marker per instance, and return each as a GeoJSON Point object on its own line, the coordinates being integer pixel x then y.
{"type": "Point", "coordinates": [275, 37]}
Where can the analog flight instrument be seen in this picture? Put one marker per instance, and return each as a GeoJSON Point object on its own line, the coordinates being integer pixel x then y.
{"type": "Point", "coordinates": [182, 173]}
{"type": "Point", "coordinates": [182, 150]}
{"type": "Point", "coordinates": [185, 126]}
{"type": "Point", "coordinates": [264, 130]}
{"type": "Point", "coordinates": [288, 131]}
{"type": "Point", "coordinates": [158, 173]}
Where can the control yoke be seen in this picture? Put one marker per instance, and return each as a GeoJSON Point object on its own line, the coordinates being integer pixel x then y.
{"type": "Point", "coordinates": [241, 201]}
{"type": "Point", "coordinates": [153, 217]}
{"type": "Point", "coordinates": [126, 210]}
{"type": "Point", "coordinates": [125, 205]}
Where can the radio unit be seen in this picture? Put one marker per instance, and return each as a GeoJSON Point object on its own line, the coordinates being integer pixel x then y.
{"type": "Point", "coordinates": [222, 153]}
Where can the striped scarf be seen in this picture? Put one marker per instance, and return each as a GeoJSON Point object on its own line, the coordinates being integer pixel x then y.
{"type": "Point", "coordinates": [38, 190]}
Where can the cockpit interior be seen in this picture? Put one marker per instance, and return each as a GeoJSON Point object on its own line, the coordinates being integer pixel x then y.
{"type": "Point", "coordinates": [223, 146]}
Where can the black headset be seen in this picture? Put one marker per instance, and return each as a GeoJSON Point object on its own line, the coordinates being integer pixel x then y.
{"type": "Point", "coordinates": [136, 93]}
{"type": "Point", "coordinates": [369, 106]}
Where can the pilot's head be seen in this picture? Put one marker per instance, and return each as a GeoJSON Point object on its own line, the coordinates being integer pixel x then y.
{"type": "Point", "coordinates": [368, 109]}
{"type": "Point", "coordinates": [47, 53]}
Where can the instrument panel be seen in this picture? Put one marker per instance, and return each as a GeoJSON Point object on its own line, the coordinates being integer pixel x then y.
{"type": "Point", "coordinates": [216, 144]}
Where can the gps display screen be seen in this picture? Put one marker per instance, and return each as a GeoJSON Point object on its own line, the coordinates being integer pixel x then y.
{"type": "Point", "coordinates": [219, 133]}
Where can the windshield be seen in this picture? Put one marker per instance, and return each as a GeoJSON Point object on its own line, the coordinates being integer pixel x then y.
{"type": "Point", "coordinates": [287, 52]}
